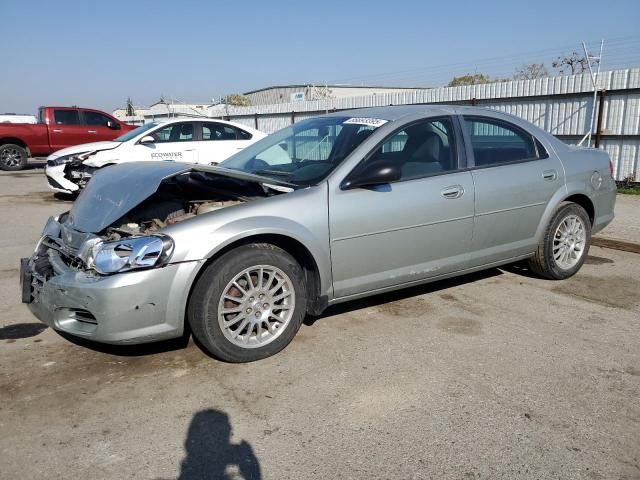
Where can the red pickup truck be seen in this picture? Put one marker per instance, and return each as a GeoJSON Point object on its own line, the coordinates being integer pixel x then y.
{"type": "Point", "coordinates": [57, 128]}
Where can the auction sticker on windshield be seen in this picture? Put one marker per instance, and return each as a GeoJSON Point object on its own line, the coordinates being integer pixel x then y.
{"type": "Point", "coordinates": [371, 122]}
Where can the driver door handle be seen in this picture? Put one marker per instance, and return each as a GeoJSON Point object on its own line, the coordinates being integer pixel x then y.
{"type": "Point", "coordinates": [452, 192]}
{"type": "Point", "coordinates": [92, 131]}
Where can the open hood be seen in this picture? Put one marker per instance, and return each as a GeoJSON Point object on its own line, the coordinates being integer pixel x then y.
{"type": "Point", "coordinates": [85, 147]}
{"type": "Point", "coordinates": [116, 190]}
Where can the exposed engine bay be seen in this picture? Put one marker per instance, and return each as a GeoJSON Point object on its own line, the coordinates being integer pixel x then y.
{"type": "Point", "coordinates": [183, 197]}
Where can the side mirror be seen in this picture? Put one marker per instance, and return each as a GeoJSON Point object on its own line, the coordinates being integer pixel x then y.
{"type": "Point", "coordinates": [147, 139]}
{"type": "Point", "coordinates": [113, 125]}
{"type": "Point", "coordinates": [378, 172]}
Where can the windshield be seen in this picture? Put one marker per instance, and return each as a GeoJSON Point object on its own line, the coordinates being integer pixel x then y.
{"type": "Point", "coordinates": [306, 152]}
{"type": "Point", "coordinates": [135, 132]}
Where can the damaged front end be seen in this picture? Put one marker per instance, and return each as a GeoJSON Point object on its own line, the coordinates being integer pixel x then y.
{"type": "Point", "coordinates": [73, 281]}
{"type": "Point", "coordinates": [78, 173]}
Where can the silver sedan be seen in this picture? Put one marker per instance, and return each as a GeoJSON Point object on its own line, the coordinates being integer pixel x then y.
{"type": "Point", "coordinates": [327, 210]}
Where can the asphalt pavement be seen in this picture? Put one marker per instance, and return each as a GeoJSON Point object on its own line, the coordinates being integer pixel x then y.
{"type": "Point", "coordinates": [492, 375]}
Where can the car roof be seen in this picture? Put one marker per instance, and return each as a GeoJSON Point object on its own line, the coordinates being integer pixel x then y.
{"type": "Point", "coordinates": [396, 112]}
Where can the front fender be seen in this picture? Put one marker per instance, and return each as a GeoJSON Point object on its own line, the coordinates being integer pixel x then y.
{"type": "Point", "coordinates": [216, 240]}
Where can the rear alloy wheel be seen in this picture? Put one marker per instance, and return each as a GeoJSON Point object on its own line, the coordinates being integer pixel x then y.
{"type": "Point", "coordinates": [565, 243]}
{"type": "Point", "coordinates": [12, 157]}
{"type": "Point", "coordinates": [248, 304]}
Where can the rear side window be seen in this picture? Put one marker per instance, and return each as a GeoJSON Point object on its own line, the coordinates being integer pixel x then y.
{"type": "Point", "coordinates": [219, 131]}
{"type": "Point", "coordinates": [95, 118]}
{"type": "Point", "coordinates": [495, 142]}
{"type": "Point", "coordinates": [66, 117]}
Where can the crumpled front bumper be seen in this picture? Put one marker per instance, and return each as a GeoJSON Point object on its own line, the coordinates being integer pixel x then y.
{"type": "Point", "coordinates": [57, 180]}
{"type": "Point", "coordinates": [127, 308]}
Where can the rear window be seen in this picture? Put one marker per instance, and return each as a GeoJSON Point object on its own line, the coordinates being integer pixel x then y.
{"type": "Point", "coordinates": [66, 117]}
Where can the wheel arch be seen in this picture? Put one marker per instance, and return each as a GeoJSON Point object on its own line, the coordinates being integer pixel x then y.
{"type": "Point", "coordinates": [574, 194]}
{"type": "Point", "coordinates": [585, 202]}
{"type": "Point", "coordinates": [317, 301]}
{"type": "Point", "coordinates": [13, 141]}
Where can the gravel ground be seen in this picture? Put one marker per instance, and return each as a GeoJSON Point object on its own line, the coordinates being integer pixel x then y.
{"type": "Point", "coordinates": [492, 375]}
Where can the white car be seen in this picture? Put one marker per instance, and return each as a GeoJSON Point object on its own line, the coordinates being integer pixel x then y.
{"type": "Point", "coordinates": [190, 140]}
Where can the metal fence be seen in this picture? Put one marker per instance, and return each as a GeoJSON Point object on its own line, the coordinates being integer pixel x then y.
{"type": "Point", "coordinates": [561, 105]}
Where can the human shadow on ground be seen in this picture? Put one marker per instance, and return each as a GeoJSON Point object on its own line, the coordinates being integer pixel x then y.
{"type": "Point", "coordinates": [210, 453]}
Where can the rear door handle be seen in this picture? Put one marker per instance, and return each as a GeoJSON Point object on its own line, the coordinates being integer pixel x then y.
{"type": "Point", "coordinates": [57, 130]}
{"type": "Point", "coordinates": [91, 131]}
{"type": "Point", "coordinates": [550, 175]}
{"type": "Point", "coordinates": [454, 191]}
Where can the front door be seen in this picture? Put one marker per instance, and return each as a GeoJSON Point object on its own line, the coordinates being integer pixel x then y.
{"type": "Point", "coordinates": [96, 126]}
{"type": "Point", "coordinates": [417, 228]}
{"type": "Point", "coordinates": [173, 143]}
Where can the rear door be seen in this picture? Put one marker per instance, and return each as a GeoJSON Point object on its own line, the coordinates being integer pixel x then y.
{"type": "Point", "coordinates": [515, 178]}
{"type": "Point", "coordinates": [67, 129]}
{"type": "Point", "coordinates": [416, 228]}
{"type": "Point", "coordinates": [218, 141]}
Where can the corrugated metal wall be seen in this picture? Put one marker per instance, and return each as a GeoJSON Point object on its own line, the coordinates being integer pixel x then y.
{"type": "Point", "coordinates": [561, 105]}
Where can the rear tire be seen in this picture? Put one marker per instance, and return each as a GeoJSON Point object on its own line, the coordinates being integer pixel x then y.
{"type": "Point", "coordinates": [13, 157]}
{"type": "Point", "coordinates": [564, 245]}
{"type": "Point", "coordinates": [248, 304]}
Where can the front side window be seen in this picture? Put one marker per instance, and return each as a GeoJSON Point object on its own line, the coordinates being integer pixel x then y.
{"type": "Point", "coordinates": [306, 152]}
{"type": "Point", "coordinates": [220, 131]}
{"type": "Point", "coordinates": [176, 132]}
{"type": "Point", "coordinates": [66, 117]}
{"type": "Point", "coordinates": [495, 142]}
{"type": "Point", "coordinates": [95, 119]}
{"type": "Point", "coordinates": [421, 149]}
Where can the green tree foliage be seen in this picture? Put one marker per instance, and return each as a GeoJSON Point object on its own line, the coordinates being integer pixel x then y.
{"type": "Point", "coordinates": [469, 79]}
{"type": "Point", "coordinates": [237, 100]}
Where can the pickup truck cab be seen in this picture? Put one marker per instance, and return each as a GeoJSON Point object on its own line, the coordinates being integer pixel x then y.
{"type": "Point", "coordinates": [57, 128]}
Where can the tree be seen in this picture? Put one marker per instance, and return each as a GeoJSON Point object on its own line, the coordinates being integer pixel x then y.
{"type": "Point", "coordinates": [469, 79]}
{"type": "Point", "coordinates": [130, 110]}
{"type": "Point", "coordinates": [237, 100]}
{"type": "Point", "coordinates": [573, 63]}
{"type": "Point", "coordinates": [531, 71]}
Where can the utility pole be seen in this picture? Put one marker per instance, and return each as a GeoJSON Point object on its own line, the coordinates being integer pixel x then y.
{"type": "Point", "coordinates": [594, 80]}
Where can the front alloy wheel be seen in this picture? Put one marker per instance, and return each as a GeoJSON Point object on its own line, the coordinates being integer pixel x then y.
{"type": "Point", "coordinates": [256, 307]}
{"type": "Point", "coordinates": [248, 304]}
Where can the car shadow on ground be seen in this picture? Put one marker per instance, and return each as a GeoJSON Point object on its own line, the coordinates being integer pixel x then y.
{"type": "Point", "coordinates": [375, 300]}
{"type": "Point", "coordinates": [139, 350]}
{"type": "Point", "coordinates": [380, 299]}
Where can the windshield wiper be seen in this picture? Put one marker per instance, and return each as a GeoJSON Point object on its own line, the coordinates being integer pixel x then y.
{"type": "Point", "coordinates": [279, 173]}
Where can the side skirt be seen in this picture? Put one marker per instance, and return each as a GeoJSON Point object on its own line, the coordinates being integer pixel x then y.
{"type": "Point", "coordinates": [428, 280]}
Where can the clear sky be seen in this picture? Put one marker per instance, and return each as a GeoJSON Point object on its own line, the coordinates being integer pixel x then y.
{"type": "Point", "coordinates": [97, 53]}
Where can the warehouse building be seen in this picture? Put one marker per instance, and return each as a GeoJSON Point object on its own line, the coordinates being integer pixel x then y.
{"type": "Point", "coordinates": [294, 93]}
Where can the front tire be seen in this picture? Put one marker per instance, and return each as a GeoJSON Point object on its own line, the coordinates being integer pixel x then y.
{"type": "Point", "coordinates": [565, 243]}
{"type": "Point", "coordinates": [13, 157]}
{"type": "Point", "coordinates": [248, 304]}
